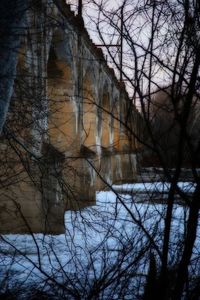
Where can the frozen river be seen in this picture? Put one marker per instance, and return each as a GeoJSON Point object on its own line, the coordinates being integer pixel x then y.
{"type": "Point", "coordinates": [97, 239]}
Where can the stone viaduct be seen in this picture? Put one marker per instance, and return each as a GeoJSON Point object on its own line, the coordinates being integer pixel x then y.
{"type": "Point", "coordinates": [71, 129]}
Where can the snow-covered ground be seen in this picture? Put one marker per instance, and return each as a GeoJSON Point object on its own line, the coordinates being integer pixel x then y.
{"type": "Point", "coordinates": [161, 187]}
{"type": "Point", "coordinates": [96, 238]}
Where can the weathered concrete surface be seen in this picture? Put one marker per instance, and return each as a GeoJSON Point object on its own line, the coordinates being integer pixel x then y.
{"type": "Point", "coordinates": [68, 131]}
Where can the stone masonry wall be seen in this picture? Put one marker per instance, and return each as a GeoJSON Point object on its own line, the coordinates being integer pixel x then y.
{"type": "Point", "coordinates": [68, 127]}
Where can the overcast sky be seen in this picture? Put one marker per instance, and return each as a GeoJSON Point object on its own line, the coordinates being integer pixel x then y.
{"type": "Point", "coordinates": [138, 24]}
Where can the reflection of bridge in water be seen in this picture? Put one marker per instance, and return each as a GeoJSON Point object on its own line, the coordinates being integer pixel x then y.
{"type": "Point", "coordinates": [71, 124]}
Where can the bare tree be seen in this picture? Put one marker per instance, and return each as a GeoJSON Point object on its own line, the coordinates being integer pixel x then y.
{"type": "Point", "coordinates": [133, 244]}
{"type": "Point", "coordinates": [161, 44]}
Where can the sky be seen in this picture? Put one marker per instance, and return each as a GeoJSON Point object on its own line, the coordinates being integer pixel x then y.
{"type": "Point", "coordinates": [139, 26]}
{"type": "Point", "coordinates": [111, 36]}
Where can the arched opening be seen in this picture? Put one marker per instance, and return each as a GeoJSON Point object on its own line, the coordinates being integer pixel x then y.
{"type": "Point", "coordinates": [124, 143]}
{"type": "Point", "coordinates": [89, 115]}
{"type": "Point", "coordinates": [116, 125]}
{"type": "Point", "coordinates": [62, 107]}
{"type": "Point", "coordinates": [105, 120]}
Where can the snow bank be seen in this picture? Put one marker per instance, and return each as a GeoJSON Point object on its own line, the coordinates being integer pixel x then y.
{"type": "Point", "coordinates": [160, 187]}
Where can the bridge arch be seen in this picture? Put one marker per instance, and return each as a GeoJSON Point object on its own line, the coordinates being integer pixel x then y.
{"type": "Point", "coordinates": [63, 112]}
{"type": "Point", "coordinates": [116, 123]}
{"type": "Point", "coordinates": [104, 118]}
{"type": "Point", "coordinates": [89, 111]}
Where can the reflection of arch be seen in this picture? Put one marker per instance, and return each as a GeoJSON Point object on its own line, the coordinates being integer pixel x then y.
{"type": "Point", "coordinates": [62, 108]}
{"type": "Point", "coordinates": [89, 114]}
